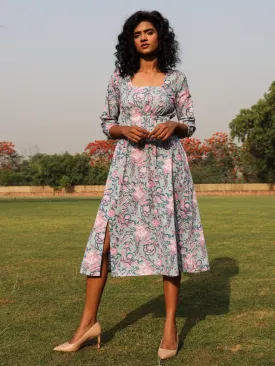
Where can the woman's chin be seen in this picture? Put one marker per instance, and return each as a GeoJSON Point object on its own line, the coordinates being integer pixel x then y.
{"type": "Point", "coordinates": [147, 52]}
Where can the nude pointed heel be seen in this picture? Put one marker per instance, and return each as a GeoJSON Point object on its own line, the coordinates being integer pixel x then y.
{"type": "Point", "coordinates": [98, 340]}
{"type": "Point", "coordinates": [164, 353]}
{"type": "Point", "coordinates": [94, 331]}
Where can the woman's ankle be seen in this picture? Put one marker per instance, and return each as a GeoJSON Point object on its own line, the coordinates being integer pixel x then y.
{"type": "Point", "coordinates": [88, 322]}
{"type": "Point", "coordinates": [170, 322]}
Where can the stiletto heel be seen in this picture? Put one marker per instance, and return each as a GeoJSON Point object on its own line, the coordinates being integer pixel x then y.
{"type": "Point", "coordinates": [98, 341]}
{"type": "Point", "coordinates": [94, 331]}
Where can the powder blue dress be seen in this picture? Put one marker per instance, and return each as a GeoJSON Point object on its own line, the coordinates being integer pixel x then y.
{"type": "Point", "coordinates": [149, 198]}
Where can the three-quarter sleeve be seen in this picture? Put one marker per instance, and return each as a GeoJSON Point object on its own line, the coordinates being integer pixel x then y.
{"type": "Point", "coordinates": [109, 117]}
{"type": "Point", "coordinates": [184, 105]}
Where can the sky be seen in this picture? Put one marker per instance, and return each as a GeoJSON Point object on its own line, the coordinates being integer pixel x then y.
{"type": "Point", "coordinates": [56, 58]}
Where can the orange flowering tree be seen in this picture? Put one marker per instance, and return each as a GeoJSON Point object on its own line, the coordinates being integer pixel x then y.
{"type": "Point", "coordinates": [7, 155]}
{"type": "Point", "coordinates": [101, 152]}
{"type": "Point", "coordinates": [195, 149]}
{"type": "Point", "coordinates": [227, 155]}
{"type": "Point", "coordinates": [218, 153]}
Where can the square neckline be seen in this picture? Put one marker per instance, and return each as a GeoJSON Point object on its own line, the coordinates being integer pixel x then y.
{"type": "Point", "coordinates": [149, 86]}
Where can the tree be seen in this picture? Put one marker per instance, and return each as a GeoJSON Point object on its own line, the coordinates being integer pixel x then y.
{"type": "Point", "coordinates": [58, 170]}
{"type": "Point", "coordinates": [9, 158]}
{"type": "Point", "coordinates": [255, 128]}
{"type": "Point", "coordinates": [101, 152]}
{"type": "Point", "coordinates": [195, 149]}
{"type": "Point", "coordinates": [224, 154]}
{"type": "Point", "coordinates": [215, 160]}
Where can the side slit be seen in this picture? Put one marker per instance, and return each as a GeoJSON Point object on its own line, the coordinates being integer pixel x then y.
{"type": "Point", "coordinates": [107, 225]}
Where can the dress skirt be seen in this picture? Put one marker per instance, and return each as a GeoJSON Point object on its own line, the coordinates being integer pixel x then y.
{"type": "Point", "coordinates": [151, 206]}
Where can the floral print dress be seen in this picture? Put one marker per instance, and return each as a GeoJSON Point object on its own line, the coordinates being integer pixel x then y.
{"type": "Point", "coordinates": [149, 197]}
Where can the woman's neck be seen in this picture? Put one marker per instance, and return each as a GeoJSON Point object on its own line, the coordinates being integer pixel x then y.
{"type": "Point", "coordinates": [148, 64]}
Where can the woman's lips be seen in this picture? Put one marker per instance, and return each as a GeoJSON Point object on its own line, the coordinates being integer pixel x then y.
{"type": "Point", "coordinates": [145, 45]}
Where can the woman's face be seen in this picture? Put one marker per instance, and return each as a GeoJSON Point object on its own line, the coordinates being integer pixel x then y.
{"type": "Point", "coordinates": [145, 38]}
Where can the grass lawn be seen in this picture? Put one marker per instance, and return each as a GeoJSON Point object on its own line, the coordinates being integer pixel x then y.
{"type": "Point", "coordinates": [225, 316]}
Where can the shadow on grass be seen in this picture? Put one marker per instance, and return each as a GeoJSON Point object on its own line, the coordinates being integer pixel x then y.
{"type": "Point", "coordinates": [201, 294]}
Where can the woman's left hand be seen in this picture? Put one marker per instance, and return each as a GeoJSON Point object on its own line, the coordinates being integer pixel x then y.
{"type": "Point", "coordinates": [163, 130]}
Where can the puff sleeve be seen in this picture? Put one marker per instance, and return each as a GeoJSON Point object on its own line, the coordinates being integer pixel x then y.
{"type": "Point", "coordinates": [110, 115]}
{"type": "Point", "coordinates": [184, 104]}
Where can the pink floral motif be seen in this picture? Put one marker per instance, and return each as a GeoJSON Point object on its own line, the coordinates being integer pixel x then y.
{"type": "Point", "coordinates": [141, 232]}
{"type": "Point", "coordinates": [190, 262]}
{"type": "Point", "coordinates": [158, 262]}
{"type": "Point", "coordinates": [112, 213]}
{"type": "Point", "coordinates": [167, 166]}
{"type": "Point", "coordinates": [143, 171]}
{"type": "Point", "coordinates": [92, 256]}
{"type": "Point", "coordinates": [136, 116]}
{"type": "Point", "coordinates": [144, 269]}
{"type": "Point", "coordinates": [170, 205]}
{"type": "Point", "coordinates": [113, 251]}
{"type": "Point", "coordinates": [147, 108]}
{"type": "Point", "coordinates": [156, 222]}
{"type": "Point", "coordinates": [139, 194]}
{"type": "Point", "coordinates": [173, 250]}
{"type": "Point", "coordinates": [154, 151]}
{"type": "Point", "coordinates": [151, 183]}
{"type": "Point", "coordinates": [179, 157]}
{"type": "Point", "coordinates": [114, 173]}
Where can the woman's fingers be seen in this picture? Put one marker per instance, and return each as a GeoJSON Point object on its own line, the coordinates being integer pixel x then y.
{"type": "Point", "coordinates": [161, 130]}
{"type": "Point", "coordinates": [141, 129]}
{"type": "Point", "coordinates": [139, 133]}
{"type": "Point", "coordinates": [166, 136]}
{"type": "Point", "coordinates": [163, 134]}
{"type": "Point", "coordinates": [135, 137]}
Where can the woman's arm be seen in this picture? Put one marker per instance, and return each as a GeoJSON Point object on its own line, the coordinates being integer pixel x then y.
{"type": "Point", "coordinates": [109, 117]}
{"type": "Point", "coordinates": [117, 131]}
{"type": "Point", "coordinates": [181, 130]}
{"type": "Point", "coordinates": [184, 109]}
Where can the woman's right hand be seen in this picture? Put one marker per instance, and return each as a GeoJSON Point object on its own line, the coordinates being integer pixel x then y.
{"type": "Point", "coordinates": [135, 133]}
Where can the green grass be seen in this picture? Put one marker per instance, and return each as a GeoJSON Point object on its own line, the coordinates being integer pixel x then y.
{"type": "Point", "coordinates": [225, 316]}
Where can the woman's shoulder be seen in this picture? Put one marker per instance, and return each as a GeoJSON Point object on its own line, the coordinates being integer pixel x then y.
{"type": "Point", "coordinates": [115, 78]}
{"type": "Point", "coordinates": [176, 79]}
{"type": "Point", "coordinates": [116, 75]}
{"type": "Point", "coordinates": [174, 74]}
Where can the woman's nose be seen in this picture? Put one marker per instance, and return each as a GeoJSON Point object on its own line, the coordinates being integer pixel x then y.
{"type": "Point", "coordinates": [143, 37]}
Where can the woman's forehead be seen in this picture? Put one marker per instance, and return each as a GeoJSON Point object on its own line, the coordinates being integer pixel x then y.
{"type": "Point", "coordinates": [143, 26]}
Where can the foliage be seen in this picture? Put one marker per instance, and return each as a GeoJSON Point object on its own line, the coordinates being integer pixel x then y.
{"type": "Point", "coordinates": [101, 152]}
{"type": "Point", "coordinates": [97, 175]}
{"type": "Point", "coordinates": [9, 159]}
{"type": "Point", "coordinates": [255, 128]}
{"type": "Point", "coordinates": [216, 160]}
{"type": "Point", "coordinates": [58, 171]}
{"type": "Point", "coordinates": [202, 174]}
{"type": "Point", "coordinates": [194, 149]}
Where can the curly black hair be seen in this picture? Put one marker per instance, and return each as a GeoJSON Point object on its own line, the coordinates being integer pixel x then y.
{"type": "Point", "coordinates": [127, 57]}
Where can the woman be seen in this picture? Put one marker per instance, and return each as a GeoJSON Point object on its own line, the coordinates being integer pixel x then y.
{"type": "Point", "coordinates": [148, 221]}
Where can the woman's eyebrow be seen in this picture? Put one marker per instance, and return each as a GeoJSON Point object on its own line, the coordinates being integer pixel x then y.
{"type": "Point", "coordinates": [145, 30]}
